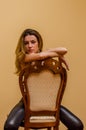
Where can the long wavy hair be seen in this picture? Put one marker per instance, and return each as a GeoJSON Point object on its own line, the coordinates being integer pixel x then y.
{"type": "Point", "coordinates": [20, 51]}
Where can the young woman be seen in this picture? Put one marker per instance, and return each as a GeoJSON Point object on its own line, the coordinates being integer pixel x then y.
{"type": "Point", "coordinates": [29, 48]}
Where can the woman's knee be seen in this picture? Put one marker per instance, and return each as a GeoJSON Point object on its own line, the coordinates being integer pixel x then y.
{"type": "Point", "coordinates": [70, 120]}
{"type": "Point", "coordinates": [15, 117]}
{"type": "Point", "coordinates": [10, 126]}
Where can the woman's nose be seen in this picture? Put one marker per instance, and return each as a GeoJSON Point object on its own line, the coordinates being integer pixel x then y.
{"type": "Point", "coordinates": [30, 45]}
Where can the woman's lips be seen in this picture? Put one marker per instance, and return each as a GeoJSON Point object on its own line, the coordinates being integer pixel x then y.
{"type": "Point", "coordinates": [30, 50]}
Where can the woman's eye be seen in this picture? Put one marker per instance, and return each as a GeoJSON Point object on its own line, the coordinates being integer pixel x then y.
{"type": "Point", "coordinates": [25, 43]}
{"type": "Point", "coordinates": [33, 42]}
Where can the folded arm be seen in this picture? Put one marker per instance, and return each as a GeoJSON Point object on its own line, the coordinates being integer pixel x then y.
{"type": "Point", "coordinates": [55, 52]}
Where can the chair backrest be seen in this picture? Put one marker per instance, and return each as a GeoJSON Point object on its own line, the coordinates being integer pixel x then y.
{"type": "Point", "coordinates": [42, 84]}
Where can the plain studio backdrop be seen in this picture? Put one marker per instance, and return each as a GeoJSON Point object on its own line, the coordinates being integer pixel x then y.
{"type": "Point", "coordinates": [61, 23]}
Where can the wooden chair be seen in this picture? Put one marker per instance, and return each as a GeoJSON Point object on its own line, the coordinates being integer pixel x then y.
{"type": "Point", "coordinates": [42, 84]}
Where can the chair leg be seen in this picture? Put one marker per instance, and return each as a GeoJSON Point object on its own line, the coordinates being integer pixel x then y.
{"type": "Point", "coordinates": [26, 128]}
{"type": "Point", "coordinates": [49, 128]}
{"type": "Point", "coordinates": [56, 128]}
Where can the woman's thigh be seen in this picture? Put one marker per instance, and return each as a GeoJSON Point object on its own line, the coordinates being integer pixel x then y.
{"type": "Point", "coordinates": [70, 120]}
{"type": "Point", "coordinates": [15, 117]}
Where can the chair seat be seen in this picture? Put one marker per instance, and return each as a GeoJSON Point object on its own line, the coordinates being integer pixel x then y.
{"type": "Point", "coordinates": [42, 119]}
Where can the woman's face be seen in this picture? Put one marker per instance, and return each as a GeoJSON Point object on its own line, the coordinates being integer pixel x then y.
{"type": "Point", "coordinates": [31, 44]}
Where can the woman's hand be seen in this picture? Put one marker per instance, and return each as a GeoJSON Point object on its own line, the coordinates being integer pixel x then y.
{"type": "Point", "coordinates": [61, 51]}
{"type": "Point", "coordinates": [62, 60]}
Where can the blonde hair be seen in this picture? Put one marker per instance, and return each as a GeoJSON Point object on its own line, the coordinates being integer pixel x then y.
{"type": "Point", "coordinates": [20, 51]}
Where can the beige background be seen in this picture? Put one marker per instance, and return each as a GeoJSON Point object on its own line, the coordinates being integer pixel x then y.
{"type": "Point", "coordinates": [61, 23]}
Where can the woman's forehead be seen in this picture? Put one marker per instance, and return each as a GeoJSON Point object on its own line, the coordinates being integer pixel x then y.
{"type": "Point", "coordinates": [30, 37]}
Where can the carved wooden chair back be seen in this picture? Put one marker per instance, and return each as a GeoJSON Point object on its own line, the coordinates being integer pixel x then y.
{"type": "Point", "coordinates": [42, 84]}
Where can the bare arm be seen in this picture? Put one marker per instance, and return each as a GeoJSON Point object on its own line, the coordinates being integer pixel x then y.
{"type": "Point", "coordinates": [59, 50]}
{"type": "Point", "coordinates": [55, 52]}
{"type": "Point", "coordinates": [40, 56]}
